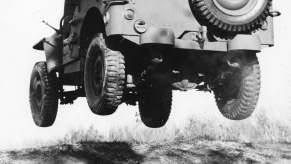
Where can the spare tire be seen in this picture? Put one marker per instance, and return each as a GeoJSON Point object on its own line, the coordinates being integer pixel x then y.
{"type": "Point", "coordinates": [231, 16]}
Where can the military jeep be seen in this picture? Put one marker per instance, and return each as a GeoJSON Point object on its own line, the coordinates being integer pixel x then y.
{"type": "Point", "coordinates": [139, 51]}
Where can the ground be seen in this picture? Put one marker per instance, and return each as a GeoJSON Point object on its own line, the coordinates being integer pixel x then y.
{"type": "Point", "coordinates": [203, 151]}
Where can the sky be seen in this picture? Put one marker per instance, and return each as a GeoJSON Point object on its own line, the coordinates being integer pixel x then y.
{"type": "Point", "coordinates": [21, 27]}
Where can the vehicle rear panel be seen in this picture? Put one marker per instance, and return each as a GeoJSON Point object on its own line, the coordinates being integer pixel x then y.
{"type": "Point", "coordinates": [173, 14]}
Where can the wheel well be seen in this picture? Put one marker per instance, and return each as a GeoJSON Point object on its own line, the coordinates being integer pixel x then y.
{"type": "Point", "coordinates": [93, 24]}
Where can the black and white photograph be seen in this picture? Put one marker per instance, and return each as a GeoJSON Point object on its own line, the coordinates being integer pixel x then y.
{"type": "Point", "coordinates": [145, 82]}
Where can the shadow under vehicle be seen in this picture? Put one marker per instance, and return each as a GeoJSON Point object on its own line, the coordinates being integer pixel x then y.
{"type": "Point", "coordinates": [139, 51]}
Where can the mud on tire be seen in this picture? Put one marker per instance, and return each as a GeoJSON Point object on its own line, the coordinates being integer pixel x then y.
{"type": "Point", "coordinates": [104, 77]}
{"type": "Point", "coordinates": [238, 96]}
{"type": "Point", "coordinates": [43, 95]}
{"type": "Point", "coordinates": [155, 106]}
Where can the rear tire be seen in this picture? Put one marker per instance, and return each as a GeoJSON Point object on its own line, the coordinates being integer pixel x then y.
{"type": "Point", "coordinates": [43, 95]}
{"type": "Point", "coordinates": [104, 77]}
{"type": "Point", "coordinates": [155, 106]}
{"type": "Point", "coordinates": [238, 96]}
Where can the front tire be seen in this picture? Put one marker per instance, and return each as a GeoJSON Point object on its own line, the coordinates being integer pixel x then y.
{"type": "Point", "coordinates": [104, 77]}
{"type": "Point", "coordinates": [238, 95]}
{"type": "Point", "coordinates": [43, 95]}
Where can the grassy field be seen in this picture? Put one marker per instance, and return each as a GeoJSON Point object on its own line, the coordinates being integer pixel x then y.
{"type": "Point", "coordinates": [258, 140]}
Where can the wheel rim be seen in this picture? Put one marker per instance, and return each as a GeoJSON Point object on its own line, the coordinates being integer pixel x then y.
{"type": "Point", "coordinates": [98, 76]}
{"type": "Point", "coordinates": [232, 4]}
{"type": "Point", "coordinates": [237, 7]}
{"type": "Point", "coordinates": [36, 93]}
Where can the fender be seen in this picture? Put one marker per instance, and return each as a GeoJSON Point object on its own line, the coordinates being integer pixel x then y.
{"type": "Point", "coordinates": [251, 42]}
{"type": "Point", "coordinates": [52, 46]}
{"type": "Point", "coordinates": [39, 45]}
